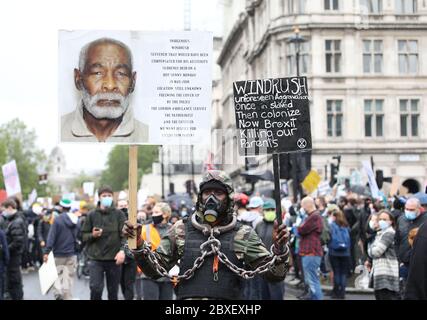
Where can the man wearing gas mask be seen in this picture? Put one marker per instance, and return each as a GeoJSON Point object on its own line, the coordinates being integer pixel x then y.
{"type": "Point", "coordinates": [209, 243]}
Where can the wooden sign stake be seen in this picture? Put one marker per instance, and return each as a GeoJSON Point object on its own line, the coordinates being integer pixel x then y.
{"type": "Point", "coordinates": [133, 189]}
{"type": "Point", "coordinates": [276, 174]}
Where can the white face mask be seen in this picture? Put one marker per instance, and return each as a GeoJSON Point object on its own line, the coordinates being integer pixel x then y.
{"type": "Point", "coordinates": [73, 217]}
{"type": "Point", "coordinates": [372, 225]}
{"type": "Point", "coordinates": [10, 213]}
{"type": "Point", "coordinates": [330, 220]}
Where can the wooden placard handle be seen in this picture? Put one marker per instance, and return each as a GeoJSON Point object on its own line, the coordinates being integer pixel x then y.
{"type": "Point", "coordinates": [133, 189]}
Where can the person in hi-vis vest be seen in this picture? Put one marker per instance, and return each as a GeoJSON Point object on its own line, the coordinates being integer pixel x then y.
{"type": "Point", "coordinates": [162, 288]}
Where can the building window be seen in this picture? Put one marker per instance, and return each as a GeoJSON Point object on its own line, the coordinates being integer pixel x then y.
{"type": "Point", "coordinates": [371, 6]}
{"type": "Point", "coordinates": [335, 116]}
{"type": "Point", "coordinates": [331, 5]}
{"type": "Point", "coordinates": [374, 118]}
{"type": "Point", "coordinates": [408, 56]}
{"type": "Point", "coordinates": [296, 6]}
{"type": "Point", "coordinates": [304, 58]}
{"type": "Point", "coordinates": [409, 117]}
{"type": "Point", "coordinates": [372, 56]}
{"type": "Point", "coordinates": [333, 56]}
{"type": "Point", "coordinates": [406, 6]}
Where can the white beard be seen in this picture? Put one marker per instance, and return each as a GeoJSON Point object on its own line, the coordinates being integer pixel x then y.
{"type": "Point", "coordinates": [90, 103]}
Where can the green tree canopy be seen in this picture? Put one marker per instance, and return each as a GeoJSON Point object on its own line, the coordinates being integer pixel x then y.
{"type": "Point", "coordinates": [19, 143]}
{"type": "Point", "coordinates": [116, 174]}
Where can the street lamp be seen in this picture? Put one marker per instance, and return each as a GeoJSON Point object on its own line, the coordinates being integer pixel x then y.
{"type": "Point", "coordinates": [297, 40]}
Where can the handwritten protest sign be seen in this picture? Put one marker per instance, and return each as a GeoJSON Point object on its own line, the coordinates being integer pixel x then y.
{"type": "Point", "coordinates": [272, 116]}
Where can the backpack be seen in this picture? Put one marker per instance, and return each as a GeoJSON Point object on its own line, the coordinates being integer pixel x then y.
{"type": "Point", "coordinates": [325, 236]}
{"type": "Point", "coordinates": [340, 239]}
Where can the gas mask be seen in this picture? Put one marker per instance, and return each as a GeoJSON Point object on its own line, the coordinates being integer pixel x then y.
{"type": "Point", "coordinates": [213, 208]}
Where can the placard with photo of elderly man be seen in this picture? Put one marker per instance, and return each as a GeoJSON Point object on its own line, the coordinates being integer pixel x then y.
{"type": "Point", "coordinates": [113, 86]}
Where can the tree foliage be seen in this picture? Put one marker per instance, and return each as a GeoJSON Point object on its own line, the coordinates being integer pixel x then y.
{"type": "Point", "coordinates": [116, 174]}
{"type": "Point", "coordinates": [19, 143]}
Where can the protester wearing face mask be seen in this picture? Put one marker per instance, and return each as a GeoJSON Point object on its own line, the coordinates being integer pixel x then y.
{"type": "Point", "coordinates": [371, 230]}
{"type": "Point", "coordinates": [411, 218]}
{"type": "Point", "coordinates": [15, 234]}
{"type": "Point", "coordinates": [105, 245]}
{"type": "Point", "coordinates": [385, 267]}
{"type": "Point", "coordinates": [152, 233]}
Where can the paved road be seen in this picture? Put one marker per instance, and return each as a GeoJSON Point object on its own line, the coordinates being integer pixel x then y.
{"type": "Point", "coordinates": [81, 290]}
{"type": "Point", "coordinates": [32, 288]}
{"type": "Point", "coordinates": [291, 293]}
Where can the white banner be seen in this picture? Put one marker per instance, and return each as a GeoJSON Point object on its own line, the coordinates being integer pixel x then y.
{"type": "Point", "coordinates": [89, 188]}
{"type": "Point", "coordinates": [371, 178]}
{"type": "Point", "coordinates": [11, 178]}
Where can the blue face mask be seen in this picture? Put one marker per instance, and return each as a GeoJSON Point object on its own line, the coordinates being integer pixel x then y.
{"type": "Point", "coordinates": [383, 224]}
{"type": "Point", "coordinates": [106, 201]}
{"type": "Point", "coordinates": [410, 215]}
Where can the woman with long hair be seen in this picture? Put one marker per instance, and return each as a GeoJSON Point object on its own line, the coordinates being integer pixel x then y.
{"type": "Point", "coordinates": [385, 267]}
{"type": "Point", "coordinates": [339, 251]}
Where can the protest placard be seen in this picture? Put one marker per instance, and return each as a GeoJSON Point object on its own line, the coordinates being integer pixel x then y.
{"type": "Point", "coordinates": [272, 116]}
{"type": "Point", "coordinates": [11, 178]}
{"type": "Point", "coordinates": [166, 86]}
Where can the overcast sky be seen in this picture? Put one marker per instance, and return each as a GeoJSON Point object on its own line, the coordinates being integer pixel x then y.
{"type": "Point", "coordinates": [29, 55]}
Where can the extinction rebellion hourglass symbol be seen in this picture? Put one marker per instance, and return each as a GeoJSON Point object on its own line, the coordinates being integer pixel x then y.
{"type": "Point", "coordinates": [301, 143]}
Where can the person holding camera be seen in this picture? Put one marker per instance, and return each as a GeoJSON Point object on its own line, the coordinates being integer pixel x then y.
{"type": "Point", "coordinates": [102, 232]}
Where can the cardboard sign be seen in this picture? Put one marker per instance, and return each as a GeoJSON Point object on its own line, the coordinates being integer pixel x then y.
{"type": "Point", "coordinates": [272, 116]}
{"type": "Point", "coordinates": [11, 178]}
{"type": "Point", "coordinates": [166, 81]}
{"type": "Point", "coordinates": [311, 181]}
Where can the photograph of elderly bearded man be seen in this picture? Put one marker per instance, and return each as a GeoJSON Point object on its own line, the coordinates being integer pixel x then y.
{"type": "Point", "coordinates": [105, 80]}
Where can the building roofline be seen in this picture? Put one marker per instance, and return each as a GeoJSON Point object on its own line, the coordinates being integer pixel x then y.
{"type": "Point", "coordinates": [234, 33]}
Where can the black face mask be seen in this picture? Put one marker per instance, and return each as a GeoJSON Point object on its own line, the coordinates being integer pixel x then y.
{"type": "Point", "coordinates": [124, 210]}
{"type": "Point", "coordinates": [157, 219]}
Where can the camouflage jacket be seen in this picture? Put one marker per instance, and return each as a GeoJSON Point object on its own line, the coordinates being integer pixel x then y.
{"type": "Point", "coordinates": [248, 248]}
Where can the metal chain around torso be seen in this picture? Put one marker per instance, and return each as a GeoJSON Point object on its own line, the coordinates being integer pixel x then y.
{"type": "Point", "coordinates": [212, 246]}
